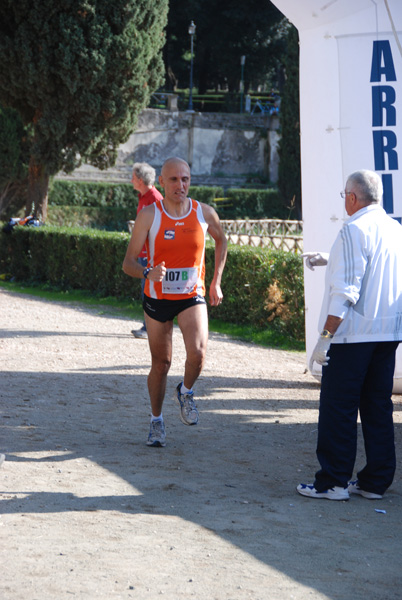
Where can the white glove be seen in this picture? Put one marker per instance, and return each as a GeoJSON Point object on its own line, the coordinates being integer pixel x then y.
{"type": "Point", "coordinates": [320, 352]}
{"type": "Point", "coordinates": [315, 259]}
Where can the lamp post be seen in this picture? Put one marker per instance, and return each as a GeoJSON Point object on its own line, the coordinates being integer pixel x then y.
{"type": "Point", "coordinates": [242, 62]}
{"type": "Point", "coordinates": [191, 31]}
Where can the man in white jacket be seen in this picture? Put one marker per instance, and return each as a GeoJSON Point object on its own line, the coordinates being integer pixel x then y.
{"type": "Point", "coordinates": [361, 323]}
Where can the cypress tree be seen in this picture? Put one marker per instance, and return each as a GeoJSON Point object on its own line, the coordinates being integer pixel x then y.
{"type": "Point", "coordinates": [14, 141]}
{"type": "Point", "coordinates": [78, 71]}
{"type": "Point", "coordinates": [289, 173]}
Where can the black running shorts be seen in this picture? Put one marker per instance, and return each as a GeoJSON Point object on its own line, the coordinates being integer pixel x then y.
{"type": "Point", "coordinates": [167, 310]}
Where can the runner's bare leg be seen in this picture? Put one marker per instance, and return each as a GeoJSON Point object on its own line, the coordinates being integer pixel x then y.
{"type": "Point", "coordinates": [160, 345]}
{"type": "Point", "coordinates": [193, 323]}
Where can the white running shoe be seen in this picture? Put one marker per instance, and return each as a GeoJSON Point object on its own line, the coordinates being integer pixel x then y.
{"type": "Point", "coordinates": [157, 435]}
{"type": "Point", "coordinates": [188, 409]}
{"type": "Point", "coordinates": [334, 493]}
{"type": "Point", "coordinates": [140, 334]}
{"type": "Point", "coordinates": [354, 488]}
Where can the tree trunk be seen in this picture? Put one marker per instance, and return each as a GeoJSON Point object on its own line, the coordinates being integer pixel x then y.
{"type": "Point", "coordinates": [13, 193]}
{"type": "Point", "coordinates": [38, 184]}
{"type": "Point", "coordinates": [4, 198]}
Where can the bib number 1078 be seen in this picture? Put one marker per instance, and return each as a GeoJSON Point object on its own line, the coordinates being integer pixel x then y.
{"type": "Point", "coordinates": [179, 281]}
{"type": "Point", "coordinates": [176, 275]}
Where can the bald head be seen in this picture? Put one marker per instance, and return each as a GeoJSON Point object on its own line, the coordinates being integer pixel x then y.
{"type": "Point", "coordinates": [174, 161]}
{"type": "Point", "coordinates": [175, 179]}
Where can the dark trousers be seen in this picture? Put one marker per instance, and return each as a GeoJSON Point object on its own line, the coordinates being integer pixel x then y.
{"type": "Point", "coordinates": [359, 377]}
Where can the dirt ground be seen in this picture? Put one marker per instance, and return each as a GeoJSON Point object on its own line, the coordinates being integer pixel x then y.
{"type": "Point", "coordinates": [89, 511]}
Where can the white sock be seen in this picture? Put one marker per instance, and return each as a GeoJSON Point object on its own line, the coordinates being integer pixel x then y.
{"type": "Point", "coordinates": [160, 418]}
{"type": "Point", "coordinates": [185, 390]}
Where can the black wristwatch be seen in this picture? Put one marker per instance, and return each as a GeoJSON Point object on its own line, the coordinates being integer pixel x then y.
{"type": "Point", "coordinates": [146, 272]}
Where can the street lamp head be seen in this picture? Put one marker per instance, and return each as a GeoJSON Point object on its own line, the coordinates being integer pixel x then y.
{"type": "Point", "coordinates": [191, 28]}
{"type": "Point", "coordinates": [242, 60]}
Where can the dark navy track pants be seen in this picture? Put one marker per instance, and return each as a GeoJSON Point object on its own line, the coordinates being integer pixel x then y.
{"type": "Point", "coordinates": [358, 378]}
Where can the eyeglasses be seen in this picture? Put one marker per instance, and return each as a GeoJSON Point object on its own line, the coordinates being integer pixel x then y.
{"type": "Point", "coordinates": [344, 194]}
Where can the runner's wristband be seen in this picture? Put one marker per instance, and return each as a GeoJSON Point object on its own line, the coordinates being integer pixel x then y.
{"type": "Point", "coordinates": [146, 272]}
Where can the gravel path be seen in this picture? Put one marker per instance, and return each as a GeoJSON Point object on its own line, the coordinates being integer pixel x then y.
{"type": "Point", "coordinates": [89, 511]}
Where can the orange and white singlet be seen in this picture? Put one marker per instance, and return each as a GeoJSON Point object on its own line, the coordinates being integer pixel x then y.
{"type": "Point", "coordinates": [180, 243]}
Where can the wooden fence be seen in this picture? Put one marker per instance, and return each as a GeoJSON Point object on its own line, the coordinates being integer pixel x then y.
{"type": "Point", "coordinates": [266, 233]}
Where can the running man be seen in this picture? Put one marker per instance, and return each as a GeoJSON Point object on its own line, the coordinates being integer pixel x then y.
{"type": "Point", "coordinates": [174, 230]}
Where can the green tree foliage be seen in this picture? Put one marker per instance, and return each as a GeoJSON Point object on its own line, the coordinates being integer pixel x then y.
{"type": "Point", "coordinates": [226, 30]}
{"type": "Point", "coordinates": [14, 141]}
{"type": "Point", "coordinates": [289, 175]}
{"type": "Point", "coordinates": [79, 71]}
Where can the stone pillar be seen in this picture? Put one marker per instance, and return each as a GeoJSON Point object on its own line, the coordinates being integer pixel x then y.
{"type": "Point", "coordinates": [172, 102]}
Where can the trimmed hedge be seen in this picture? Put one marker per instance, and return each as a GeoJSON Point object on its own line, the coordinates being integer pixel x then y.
{"type": "Point", "coordinates": [262, 287]}
{"type": "Point", "coordinates": [109, 218]}
{"type": "Point", "coordinates": [255, 204]}
{"type": "Point", "coordinates": [111, 205]}
{"type": "Point", "coordinates": [103, 205]}
{"type": "Point", "coordinates": [81, 193]}
{"type": "Point", "coordinates": [118, 195]}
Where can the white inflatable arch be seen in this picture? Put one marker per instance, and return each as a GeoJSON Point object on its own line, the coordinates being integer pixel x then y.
{"type": "Point", "coordinates": [350, 114]}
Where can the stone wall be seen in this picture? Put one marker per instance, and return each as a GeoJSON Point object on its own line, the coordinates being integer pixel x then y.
{"type": "Point", "coordinates": [218, 147]}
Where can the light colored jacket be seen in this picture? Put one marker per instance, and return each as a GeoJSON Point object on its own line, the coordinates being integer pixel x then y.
{"type": "Point", "coordinates": [363, 280]}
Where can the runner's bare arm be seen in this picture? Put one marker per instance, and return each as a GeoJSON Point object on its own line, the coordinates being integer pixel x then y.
{"type": "Point", "coordinates": [216, 232]}
{"type": "Point", "coordinates": [131, 265]}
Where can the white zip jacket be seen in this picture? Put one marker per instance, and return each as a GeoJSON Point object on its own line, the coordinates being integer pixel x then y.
{"type": "Point", "coordinates": [363, 280]}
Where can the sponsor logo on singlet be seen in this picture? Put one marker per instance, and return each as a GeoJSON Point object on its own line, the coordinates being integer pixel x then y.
{"type": "Point", "coordinates": [169, 234]}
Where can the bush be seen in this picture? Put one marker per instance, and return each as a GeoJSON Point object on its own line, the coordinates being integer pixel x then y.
{"type": "Point", "coordinates": [205, 194]}
{"type": "Point", "coordinates": [103, 205]}
{"type": "Point", "coordinates": [99, 194]}
{"type": "Point", "coordinates": [254, 204]}
{"type": "Point", "coordinates": [263, 288]}
{"type": "Point", "coordinates": [111, 205]}
{"type": "Point", "coordinates": [118, 195]}
{"type": "Point", "coordinates": [110, 218]}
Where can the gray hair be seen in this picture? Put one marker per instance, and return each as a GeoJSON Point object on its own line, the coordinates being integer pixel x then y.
{"type": "Point", "coordinates": [145, 172]}
{"type": "Point", "coordinates": [367, 185]}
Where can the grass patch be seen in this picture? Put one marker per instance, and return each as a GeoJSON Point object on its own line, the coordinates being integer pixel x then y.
{"type": "Point", "coordinates": [262, 337]}
{"type": "Point", "coordinates": [133, 309]}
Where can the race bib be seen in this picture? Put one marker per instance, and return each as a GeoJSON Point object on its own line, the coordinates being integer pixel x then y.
{"type": "Point", "coordinates": [179, 281]}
